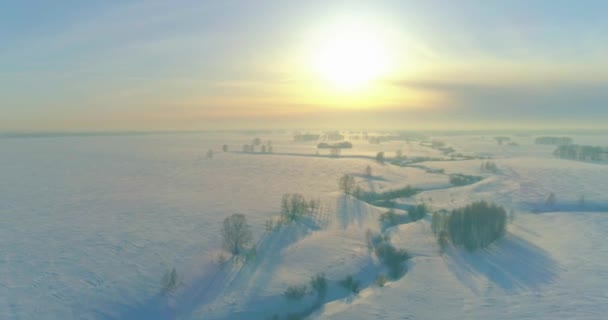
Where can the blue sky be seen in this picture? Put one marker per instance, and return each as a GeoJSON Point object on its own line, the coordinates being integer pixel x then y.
{"type": "Point", "coordinates": [165, 65]}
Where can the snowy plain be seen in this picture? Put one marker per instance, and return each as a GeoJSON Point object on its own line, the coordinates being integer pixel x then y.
{"type": "Point", "coordinates": [89, 225]}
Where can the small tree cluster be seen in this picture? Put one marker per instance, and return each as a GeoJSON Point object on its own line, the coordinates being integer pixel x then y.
{"type": "Point", "coordinates": [351, 284]}
{"type": "Point", "coordinates": [295, 292]}
{"type": "Point", "coordinates": [236, 234]}
{"type": "Point", "coordinates": [458, 179]}
{"type": "Point", "coordinates": [474, 226]}
{"type": "Point", "coordinates": [372, 197]}
{"type": "Point", "coordinates": [489, 166]}
{"type": "Point", "coordinates": [390, 218]}
{"type": "Point", "coordinates": [318, 283]}
{"type": "Point", "coordinates": [294, 205]}
{"type": "Point", "coordinates": [418, 212]}
{"type": "Point", "coordinates": [393, 258]}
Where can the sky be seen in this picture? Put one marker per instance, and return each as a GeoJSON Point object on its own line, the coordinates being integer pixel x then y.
{"type": "Point", "coordinates": [199, 65]}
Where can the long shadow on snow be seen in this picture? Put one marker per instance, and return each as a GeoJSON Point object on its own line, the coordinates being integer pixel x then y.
{"type": "Point", "coordinates": [263, 307]}
{"type": "Point", "coordinates": [567, 206]}
{"type": "Point", "coordinates": [512, 263]}
{"type": "Point", "coordinates": [350, 210]}
{"type": "Point", "coordinates": [216, 282]}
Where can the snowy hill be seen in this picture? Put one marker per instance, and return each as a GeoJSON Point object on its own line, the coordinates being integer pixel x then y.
{"type": "Point", "coordinates": [91, 224]}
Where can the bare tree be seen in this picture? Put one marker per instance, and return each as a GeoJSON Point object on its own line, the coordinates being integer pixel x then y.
{"type": "Point", "coordinates": [236, 233]}
{"type": "Point", "coordinates": [347, 184]}
{"type": "Point", "coordinates": [368, 171]}
{"type": "Point", "coordinates": [380, 157]}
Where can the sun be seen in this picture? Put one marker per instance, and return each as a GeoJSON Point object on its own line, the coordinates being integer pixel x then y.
{"type": "Point", "coordinates": [351, 55]}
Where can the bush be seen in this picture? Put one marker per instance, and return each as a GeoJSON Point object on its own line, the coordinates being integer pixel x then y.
{"type": "Point", "coordinates": [368, 171]}
{"type": "Point", "coordinates": [391, 218]}
{"type": "Point", "coordinates": [458, 179]}
{"type": "Point", "coordinates": [350, 284]}
{"type": "Point", "coordinates": [418, 212]}
{"type": "Point", "coordinates": [339, 145]}
{"type": "Point", "coordinates": [225, 148]}
{"type": "Point", "coordinates": [295, 292]}
{"type": "Point", "coordinates": [380, 280]}
{"type": "Point", "coordinates": [443, 240]}
{"type": "Point", "coordinates": [380, 157]}
{"type": "Point", "coordinates": [371, 197]}
{"type": "Point", "coordinates": [476, 225]}
{"type": "Point", "coordinates": [392, 258]}
{"type": "Point", "coordinates": [318, 283]}
{"type": "Point", "coordinates": [489, 166]}
{"type": "Point", "coordinates": [170, 281]}
{"type": "Point", "coordinates": [551, 200]}
{"type": "Point", "coordinates": [236, 233]}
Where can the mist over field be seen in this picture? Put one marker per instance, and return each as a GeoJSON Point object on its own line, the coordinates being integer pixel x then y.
{"type": "Point", "coordinates": [284, 160]}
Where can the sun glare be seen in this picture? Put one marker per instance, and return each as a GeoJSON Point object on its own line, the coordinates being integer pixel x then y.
{"type": "Point", "coordinates": [350, 56]}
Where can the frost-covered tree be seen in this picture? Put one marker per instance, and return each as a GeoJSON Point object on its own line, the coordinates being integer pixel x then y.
{"type": "Point", "coordinates": [551, 200]}
{"type": "Point", "coordinates": [380, 157]}
{"type": "Point", "coordinates": [318, 283]}
{"type": "Point", "coordinates": [170, 281]}
{"type": "Point", "coordinates": [236, 234]}
{"type": "Point", "coordinates": [347, 184]}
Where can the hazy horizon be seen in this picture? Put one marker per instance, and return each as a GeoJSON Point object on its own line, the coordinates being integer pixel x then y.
{"type": "Point", "coordinates": [198, 65]}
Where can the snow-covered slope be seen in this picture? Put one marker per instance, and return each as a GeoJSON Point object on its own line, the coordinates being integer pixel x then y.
{"type": "Point", "coordinates": [90, 224]}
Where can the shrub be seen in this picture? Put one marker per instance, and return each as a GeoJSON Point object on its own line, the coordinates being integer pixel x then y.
{"type": "Point", "coordinates": [225, 148]}
{"type": "Point", "coordinates": [339, 145]}
{"type": "Point", "coordinates": [476, 225]}
{"type": "Point", "coordinates": [368, 171]}
{"type": "Point", "coordinates": [390, 218]}
{"type": "Point", "coordinates": [418, 212]}
{"type": "Point", "coordinates": [318, 283]}
{"type": "Point", "coordinates": [236, 233]}
{"type": "Point", "coordinates": [210, 154]}
{"type": "Point", "coordinates": [443, 240]}
{"type": "Point", "coordinates": [350, 284]}
{"type": "Point", "coordinates": [170, 281]}
{"type": "Point", "coordinates": [392, 258]}
{"type": "Point", "coordinates": [551, 200]}
{"type": "Point", "coordinates": [295, 292]}
{"type": "Point", "coordinates": [489, 166]}
{"type": "Point", "coordinates": [458, 179]}
{"type": "Point", "coordinates": [380, 280]}
{"type": "Point", "coordinates": [380, 157]}
{"type": "Point", "coordinates": [371, 197]}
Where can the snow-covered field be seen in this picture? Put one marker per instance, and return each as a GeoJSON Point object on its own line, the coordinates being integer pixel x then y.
{"type": "Point", "coordinates": [89, 225]}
